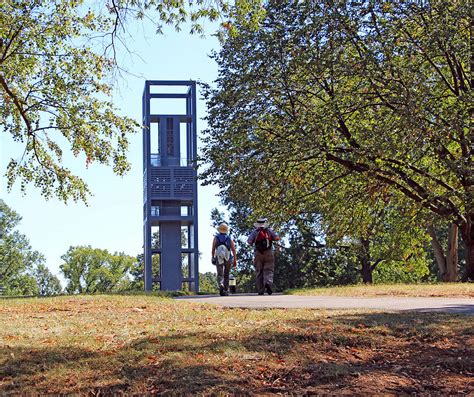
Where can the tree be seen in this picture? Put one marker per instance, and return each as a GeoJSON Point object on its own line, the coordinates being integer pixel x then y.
{"type": "Point", "coordinates": [92, 270]}
{"type": "Point", "coordinates": [307, 260]}
{"type": "Point", "coordinates": [446, 259]}
{"type": "Point", "coordinates": [48, 283]}
{"type": "Point", "coordinates": [137, 270]}
{"type": "Point", "coordinates": [17, 259]}
{"type": "Point", "coordinates": [328, 90]}
{"type": "Point", "coordinates": [208, 283]}
{"type": "Point", "coordinates": [52, 85]}
{"type": "Point", "coordinates": [381, 226]}
{"type": "Point", "coordinates": [57, 71]}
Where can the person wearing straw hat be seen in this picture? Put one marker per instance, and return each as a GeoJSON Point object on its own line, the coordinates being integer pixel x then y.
{"type": "Point", "coordinates": [262, 238]}
{"type": "Point", "coordinates": [223, 256]}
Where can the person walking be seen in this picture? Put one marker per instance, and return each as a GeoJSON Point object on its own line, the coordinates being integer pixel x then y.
{"type": "Point", "coordinates": [223, 256]}
{"type": "Point", "coordinates": [262, 238]}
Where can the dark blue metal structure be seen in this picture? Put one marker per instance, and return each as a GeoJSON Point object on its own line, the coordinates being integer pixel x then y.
{"type": "Point", "coordinates": [170, 219]}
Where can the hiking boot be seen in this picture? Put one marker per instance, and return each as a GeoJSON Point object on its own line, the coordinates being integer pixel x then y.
{"type": "Point", "coordinates": [221, 290]}
{"type": "Point", "coordinates": [268, 289]}
{"type": "Point", "coordinates": [226, 293]}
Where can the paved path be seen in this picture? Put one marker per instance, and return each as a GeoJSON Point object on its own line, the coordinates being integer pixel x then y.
{"type": "Point", "coordinates": [451, 305]}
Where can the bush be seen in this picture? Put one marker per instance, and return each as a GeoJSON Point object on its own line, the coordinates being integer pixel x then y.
{"type": "Point", "coordinates": [391, 272]}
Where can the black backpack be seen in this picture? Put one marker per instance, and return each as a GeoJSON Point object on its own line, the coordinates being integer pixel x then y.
{"type": "Point", "coordinates": [263, 240]}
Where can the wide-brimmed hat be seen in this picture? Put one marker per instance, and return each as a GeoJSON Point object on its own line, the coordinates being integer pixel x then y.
{"type": "Point", "coordinates": [261, 222]}
{"type": "Point", "coordinates": [223, 227]}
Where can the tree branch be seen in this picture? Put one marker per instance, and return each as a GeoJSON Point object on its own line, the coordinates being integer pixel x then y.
{"type": "Point", "coordinates": [18, 104]}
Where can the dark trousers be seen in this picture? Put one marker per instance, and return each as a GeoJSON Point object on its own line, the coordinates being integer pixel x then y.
{"type": "Point", "coordinates": [264, 263]}
{"type": "Point", "coordinates": [223, 275]}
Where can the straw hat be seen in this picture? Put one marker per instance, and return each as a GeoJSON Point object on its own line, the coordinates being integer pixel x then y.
{"type": "Point", "coordinates": [261, 222]}
{"type": "Point", "coordinates": [223, 227]}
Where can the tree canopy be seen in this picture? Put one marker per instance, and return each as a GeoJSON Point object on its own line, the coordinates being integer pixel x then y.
{"type": "Point", "coordinates": [92, 270]}
{"type": "Point", "coordinates": [54, 95]}
{"type": "Point", "coordinates": [22, 269]}
{"type": "Point", "coordinates": [57, 71]}
{"type": "Point", "coordinates": [325, 92]}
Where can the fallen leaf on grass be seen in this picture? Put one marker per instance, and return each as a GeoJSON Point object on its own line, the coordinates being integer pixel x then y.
{"type": "Point", "coordinates": [11, 337]}
{"type": "Point", "coordinates": [251, 357]}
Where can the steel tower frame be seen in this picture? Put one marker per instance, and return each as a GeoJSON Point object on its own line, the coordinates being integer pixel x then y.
{"type": "Point", "coordinates": [170, 218]}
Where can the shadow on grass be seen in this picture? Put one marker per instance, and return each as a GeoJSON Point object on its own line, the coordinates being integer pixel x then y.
{"type": "Point", "coordinates": [355, 353]}
{"type": "Point", "coordinates": [456, 309]}
{"type": "Point", "coordinates": [18, 362]}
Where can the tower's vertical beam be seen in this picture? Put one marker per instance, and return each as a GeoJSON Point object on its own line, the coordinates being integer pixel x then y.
{"type": "Point", "coordinates": [195, 190]}
{"type": "Point", "coordinates": [148, 276]}
{"type": "Point", "coordinates": [171, 277]}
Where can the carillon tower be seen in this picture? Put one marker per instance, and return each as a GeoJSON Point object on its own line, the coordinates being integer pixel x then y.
{"type": "Point", "coordinates": [170, 221]}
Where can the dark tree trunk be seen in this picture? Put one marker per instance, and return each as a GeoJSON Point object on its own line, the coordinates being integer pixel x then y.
{"type": "Point", "coordinates": [467, 234]}
{"type": "Point", "coordinates": [452, 256]}
{"type": "Point", "coordinates": [366, 271]}
{"type": "Point", "coordinates": [366, 262]}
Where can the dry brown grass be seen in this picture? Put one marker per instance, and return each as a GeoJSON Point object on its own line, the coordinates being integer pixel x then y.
{"type": "Point", "coordinates": [146, 345]}
{"type": "Point", "coordinates": [415, 290]}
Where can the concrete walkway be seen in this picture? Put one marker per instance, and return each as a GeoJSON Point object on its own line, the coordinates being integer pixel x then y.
{"type": "Point", "coordinates": [385, 303]}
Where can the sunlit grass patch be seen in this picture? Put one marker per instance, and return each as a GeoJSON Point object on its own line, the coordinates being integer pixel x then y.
{"type": "Point", "coordinates": [415, 290]}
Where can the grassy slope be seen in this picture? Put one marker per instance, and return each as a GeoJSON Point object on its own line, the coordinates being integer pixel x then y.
{"type": "Point", "coordinates": [145, 344]}
{"type": "Point", "coordinates": [421, 290]}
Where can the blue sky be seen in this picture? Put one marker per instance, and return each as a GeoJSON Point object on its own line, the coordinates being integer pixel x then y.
{"type": "Point", "coordinates": [113, 219]}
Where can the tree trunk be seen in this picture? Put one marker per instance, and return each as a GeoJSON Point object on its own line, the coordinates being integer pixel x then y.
{"type": "Point", "coordinates": [467, 234]}
{"type": "Point", "coordinates": [438, 253]}
{"type": "Point", "coordinates": [366, 271]}
{"type": "Point", "coordinates": [467, 229]}
{"type": "Point", "coordinates": [365, 260]}
{"type": "Point", "coordinates": [452, 255]}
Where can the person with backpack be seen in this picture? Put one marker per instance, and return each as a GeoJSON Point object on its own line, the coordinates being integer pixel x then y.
{"type": "Point", "coordinates": [223, 255]}
{"type": "Point", "coordinates": [262, 238]}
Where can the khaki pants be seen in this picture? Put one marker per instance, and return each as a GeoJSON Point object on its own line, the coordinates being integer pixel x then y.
{"type": "Point", "coordinates": [264, 263]}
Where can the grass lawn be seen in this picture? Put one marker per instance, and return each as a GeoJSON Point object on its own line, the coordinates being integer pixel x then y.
{"type": "Point", "coordinates": [104, 345]}
{"type": "Point", "coordinates": [421, 290]}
